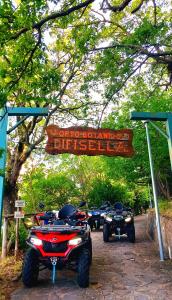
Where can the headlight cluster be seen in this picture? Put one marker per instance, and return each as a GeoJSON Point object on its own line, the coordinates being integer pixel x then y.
{"type": "Point", "coordinates": [35, 241]}
{"type": "Point", "coordinates": [75, 241]}
{"type": "Point", "coordinates": [128, 219]}
{"type": "Point", "coordinates": [109, 219]}
{"type": "Point", "coordinates": [103, 215]}
{"type": "Point", "coordinates": [89, 214]}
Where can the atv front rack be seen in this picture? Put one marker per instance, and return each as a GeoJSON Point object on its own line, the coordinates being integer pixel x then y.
{"type": "Point", "coordinates": [57, 228]}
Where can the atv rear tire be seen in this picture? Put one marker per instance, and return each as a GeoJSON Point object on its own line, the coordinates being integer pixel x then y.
{"type": "Point", "coordinates": [91, 227]}
{"type": "Point", "coordinates": [106, 233]}
{"type": "Point", "coordinates": [98, 225]}
{"type": "Point", "coordinates": [131, 233]}
{"type": "Point", "coordinates": [83, 268]}
{"type": "Point", "coordinates": [30, 270]}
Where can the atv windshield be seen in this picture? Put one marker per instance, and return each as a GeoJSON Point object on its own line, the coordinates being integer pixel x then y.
{"type": "Point", "coordinates": [67, 211]}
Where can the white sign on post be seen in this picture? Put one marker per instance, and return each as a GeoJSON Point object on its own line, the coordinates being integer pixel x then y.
{"type": "Point", "coordinates": [19, 203]}
{"type": "Point", "coordinates": [18, 214]}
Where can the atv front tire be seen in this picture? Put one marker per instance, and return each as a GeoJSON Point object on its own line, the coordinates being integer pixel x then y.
{"type": "Point", "coordinates": [83, 268]}
{"type": "Point", "coordinates": [90, 250]}
{"type": "Point", "coordinates": [30, 270]}
{"type": "Point", "coordinates": [106, 233]}
{"type": "Point", "coordinates": [131, 233]}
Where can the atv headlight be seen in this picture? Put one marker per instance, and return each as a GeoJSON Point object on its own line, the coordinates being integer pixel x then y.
{"type": "Point", "coordinates": [128, 219]}
{"type": "Point", "coordinates": [103, 214]}
{"type": "Point", "coordinates": [109, 219]}
{"type": "Point", "coordinates": [35, 241]}
{"type": "Point", "coordinates": [75, 241]}
{"type": "Point", "coordinates": [89, 214]}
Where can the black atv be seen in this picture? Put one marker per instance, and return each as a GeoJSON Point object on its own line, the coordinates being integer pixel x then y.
{"type": "Point", "coordinates": [119, 221]}
{"type": "Point", "coordinates": [96, 216]}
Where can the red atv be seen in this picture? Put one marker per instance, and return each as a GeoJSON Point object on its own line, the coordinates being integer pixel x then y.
{"type": "Point", "coordinates": [64, 243]}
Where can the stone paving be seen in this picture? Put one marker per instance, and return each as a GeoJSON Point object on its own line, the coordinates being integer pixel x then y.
{"type": "Point", "coordinates": [120, 271]}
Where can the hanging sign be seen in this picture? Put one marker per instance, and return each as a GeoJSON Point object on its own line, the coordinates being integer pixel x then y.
{"type": "Point", "coordinates": [89, 141]}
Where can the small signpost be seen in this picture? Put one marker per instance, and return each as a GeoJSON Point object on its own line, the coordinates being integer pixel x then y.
{"type": "Point", "coordinates": [19, 203]}
{"type": "Point", "coordinates": [19, 214]}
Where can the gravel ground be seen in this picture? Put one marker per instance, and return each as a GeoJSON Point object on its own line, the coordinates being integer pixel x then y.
{"type": "Point", "coordinates": [120, 271]}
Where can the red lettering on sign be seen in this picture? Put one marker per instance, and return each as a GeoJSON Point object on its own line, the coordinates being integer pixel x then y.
{"type": "Point", "coordinates": [57, 143]}
{"type": "Point", "coordinates": [82, 145]}
{"type": "Point", "coordinates": [91, 145]}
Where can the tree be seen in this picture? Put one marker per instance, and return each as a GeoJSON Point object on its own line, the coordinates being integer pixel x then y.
{"type": "Point", "coordinates": [51, 188]}
{"type": "Point", "coordinates": [105, 190]}
{"type": "Point", "coordinates": [136, 170]}
{"type": "Point", "coordinates": [61, 74]}
{"type": "Point", "coordinates": [36, 74]}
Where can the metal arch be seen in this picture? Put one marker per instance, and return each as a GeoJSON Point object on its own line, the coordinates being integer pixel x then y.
{"type": "Point", "coordinates": [149, 117]}
{"type": "Point", "coordinates": [4, 113]}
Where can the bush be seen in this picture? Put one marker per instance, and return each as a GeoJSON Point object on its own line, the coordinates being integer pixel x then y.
{"type": "Point", "coordinates": [23, 234]}
{"type": "Point", "coordinates": [109, 190]}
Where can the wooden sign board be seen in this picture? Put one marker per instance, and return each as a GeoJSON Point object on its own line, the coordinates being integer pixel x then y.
{"type": "Point", "coordinates": [89, 141]}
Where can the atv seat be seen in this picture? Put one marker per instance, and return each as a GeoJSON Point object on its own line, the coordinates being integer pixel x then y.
{"type": "Point", "coordinates": [59, 222]}
{"type": "Point", "coordinates": [118, 206]}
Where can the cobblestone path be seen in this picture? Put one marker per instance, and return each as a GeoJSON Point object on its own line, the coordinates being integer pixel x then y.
{"type": "Point", "coordinates": [120, 271]}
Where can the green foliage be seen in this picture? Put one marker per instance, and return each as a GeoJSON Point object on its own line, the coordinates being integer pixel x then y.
{"type": "Point", "coordinates": [3, 96]}
{"type": "Point", "coordinates": [165, 207]}
{"type": "Point", "coordinates": [141, 199]}
{"type": "Point", "coordinates": [109, 190]}
{"type": "Point", "coordinates": [58, 65]}
{"type": "Point", "coordinates": [145, 33]}
{"type": "Point", "coordinates": [52, 189]}
{"type": "Point", "coordinates": [23, 234]}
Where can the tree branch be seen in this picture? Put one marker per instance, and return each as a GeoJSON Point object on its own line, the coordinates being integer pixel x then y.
{"type": "Point", "coordinates": [116, 8]}
{"type": "Point", "coordinates": [53, 16]}
{"type": "Point", "coordinates": [138, 7]}
{"type": "Point", "coordinates": [155, 12]}
{"type": "Point", "coordinates": [140, 50]}
{"type": "Point", "coordinates": [119, 88]}
{"type": "Point", "coordinates": [12, 83]}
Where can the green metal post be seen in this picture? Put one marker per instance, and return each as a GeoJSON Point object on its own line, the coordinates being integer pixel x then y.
{"type": "Point", "coordinates": [158, 223]}
{"type": "Point", "coordinates": [3, 147]}
{"type": "Point", "coordinates": [169, 132]}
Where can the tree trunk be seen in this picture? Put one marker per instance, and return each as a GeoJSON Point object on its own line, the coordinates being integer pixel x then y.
{"type": "Point", "coordinates": [163, 186]}
{"type": "Point", "coordinates": [10, 196]}
{"type": "Point", "coordinates": [4, 238]}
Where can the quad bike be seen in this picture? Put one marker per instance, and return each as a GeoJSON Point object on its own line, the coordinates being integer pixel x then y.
{"type": "Point", "coordinates": [96, 216]}
{"type": "Point", "coordinates": [64, 242]}
{"type": "Point", "coordinates": [46, 217]}
{"type": "Point", "coordinates": [119, 221]}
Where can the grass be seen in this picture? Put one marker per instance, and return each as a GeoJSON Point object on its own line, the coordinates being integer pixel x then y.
{"type": "Point", "coordinates": [10, 271]}
{"type": "Point", "coordinates": [165, 208]}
